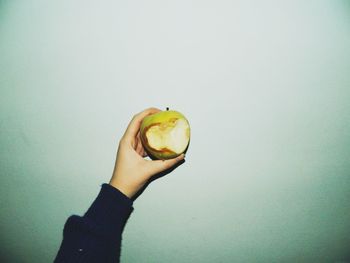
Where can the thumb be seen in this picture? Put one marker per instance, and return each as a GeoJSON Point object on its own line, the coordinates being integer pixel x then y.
{"type": "Point", "coordinates": [162, 165]}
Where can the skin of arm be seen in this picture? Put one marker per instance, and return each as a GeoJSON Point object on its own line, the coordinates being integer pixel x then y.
{"type": "Point", "coordinates": [131, 171]}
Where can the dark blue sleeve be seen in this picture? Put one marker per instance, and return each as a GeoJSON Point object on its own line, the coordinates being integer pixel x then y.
{"type": "Point", "coordinates": [96, 236]}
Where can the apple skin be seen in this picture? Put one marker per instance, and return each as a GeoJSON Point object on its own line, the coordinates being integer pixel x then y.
{"type": "Point", "coordinates": [160, 118]}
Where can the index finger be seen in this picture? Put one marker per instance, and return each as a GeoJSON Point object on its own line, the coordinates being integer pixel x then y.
{"type": "Point", "coordinates": [135, 123]}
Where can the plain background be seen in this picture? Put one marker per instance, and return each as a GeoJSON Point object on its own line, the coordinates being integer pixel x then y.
{"type": "Point", "coordinates": [264, 84]}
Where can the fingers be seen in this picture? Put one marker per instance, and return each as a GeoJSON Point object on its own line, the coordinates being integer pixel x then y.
{"type": "Point", "coordinates": [139, 148]}
{"type": "Point", "coordinates": [134, 125]}
{"type": "Point", "coordinates": [161, 165]}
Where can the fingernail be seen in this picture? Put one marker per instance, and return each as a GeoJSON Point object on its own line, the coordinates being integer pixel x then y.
{"type": "Point", "coordinates": [180, 157]}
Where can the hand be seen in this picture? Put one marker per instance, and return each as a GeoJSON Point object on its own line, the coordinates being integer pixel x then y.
{"type": "Point", "coordinates": [131, 170]}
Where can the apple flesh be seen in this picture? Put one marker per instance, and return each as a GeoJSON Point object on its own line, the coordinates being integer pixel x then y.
{"type": "Point", "coordinates": [165, 134]}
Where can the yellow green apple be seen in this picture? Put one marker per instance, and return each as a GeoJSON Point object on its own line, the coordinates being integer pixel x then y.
{"type": "Point", "coordinates": [165, 134]}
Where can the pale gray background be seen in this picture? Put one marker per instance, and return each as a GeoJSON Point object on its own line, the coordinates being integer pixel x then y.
{"type": "Point", "coordinates": [264, 84]}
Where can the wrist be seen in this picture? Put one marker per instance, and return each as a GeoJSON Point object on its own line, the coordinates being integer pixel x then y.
{"type": "Point", "coordinates": [122, 188]}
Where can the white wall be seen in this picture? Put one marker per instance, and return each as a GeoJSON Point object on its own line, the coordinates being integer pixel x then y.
{"type": "Point", "coordinates": [264, 84]}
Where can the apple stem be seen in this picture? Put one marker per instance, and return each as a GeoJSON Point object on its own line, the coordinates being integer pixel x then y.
{"type": "Point", "coordinates": [167, 108]}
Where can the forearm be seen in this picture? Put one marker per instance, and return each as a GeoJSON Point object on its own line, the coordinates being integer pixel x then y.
{"type": "Point", "coordinates": [96, 236]}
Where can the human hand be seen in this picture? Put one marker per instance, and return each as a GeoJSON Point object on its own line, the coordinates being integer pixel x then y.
{"type": "Point", "coordinates": [131, 170]}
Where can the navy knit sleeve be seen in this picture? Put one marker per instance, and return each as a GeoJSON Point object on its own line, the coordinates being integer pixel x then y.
{"type": "Point", "coordinates": [96, 236]}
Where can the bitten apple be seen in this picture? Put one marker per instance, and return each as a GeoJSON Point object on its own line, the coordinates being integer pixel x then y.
{"type": "Point", "coordinates": [165, 134]}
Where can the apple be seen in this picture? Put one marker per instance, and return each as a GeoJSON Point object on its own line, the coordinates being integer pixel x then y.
{"type": "Point", "coordinates": [165, 134]}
